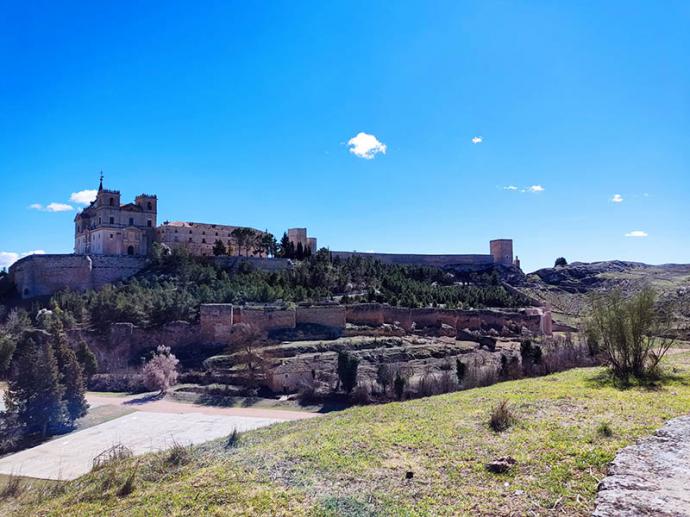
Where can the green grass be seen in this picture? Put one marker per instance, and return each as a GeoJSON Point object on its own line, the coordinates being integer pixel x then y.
{"type": "Point", "coordinates": [354, 462]}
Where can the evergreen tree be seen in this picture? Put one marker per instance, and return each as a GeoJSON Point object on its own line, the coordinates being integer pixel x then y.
{"type": "Point", "coordinates": [286, 248]}
{"type": "Point", "coordinates": [87, 360]}
{"type": "Point", "coordinates": [219, 248]}
{"type": "Point", "coordinates": [71, 376]}
{"type": "Point", "coordinates": [347, 370]}
{"type": "Point", "coordinates": [299, 251]}
{"type": "Point", "coordinates": [34, 393]}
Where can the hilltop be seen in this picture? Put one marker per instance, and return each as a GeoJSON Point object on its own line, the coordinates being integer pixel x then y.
{"type": "Point", "coordinates": [566, 288]}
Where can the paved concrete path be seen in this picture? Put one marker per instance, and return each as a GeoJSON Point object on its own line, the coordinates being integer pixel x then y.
{"type": "Point", "coordinates": [154, 425]}
{"type": "Point", "coordinates": [72, 455]}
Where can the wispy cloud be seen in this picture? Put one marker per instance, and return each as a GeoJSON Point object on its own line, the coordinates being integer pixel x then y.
{"type": "Point", "coordinates": [52, 207]}
{"type": "Point", "coordinates": [366, 146]}
{"type": "Point", "coordinates": [83, 197]}
{"type": "Point", "coordinates": [477, 139]}
{"type": "Point", "coordinates": [535, 189]}
{"type": "Point", "coordinates": [7, 258]}
{"type": "Point", "coordinates": [637, 234]}
{"type": "Point", "coordinates": [617, 198]}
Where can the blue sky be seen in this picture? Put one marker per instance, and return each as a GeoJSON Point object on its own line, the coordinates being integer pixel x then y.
{"type": "Point", "coordinates": [241, 113]}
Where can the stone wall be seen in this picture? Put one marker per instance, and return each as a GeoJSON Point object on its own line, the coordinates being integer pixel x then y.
{"type": "Point", "coordinates": [216, 320]}
{"type": "Point", "coordinates": [122, 344]}
{"type": "Point", "coordinates": [365, 314]}
{"type": "Point", "coordinates": [410, 259]}
{"type": "Point", "coordinates": [326, 315]}
{"type": "Point", "coordinates": [536, 320]}
{"type": "Point", "coordinates": [266, 319]}
{"type": "Point", "coordinates": [42, 275]}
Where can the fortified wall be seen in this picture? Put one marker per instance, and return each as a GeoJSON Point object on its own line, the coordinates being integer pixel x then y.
{"type": "Point", "coordinates": [216, 320]}
{"type": "Point", "coordinates": [43, 275]}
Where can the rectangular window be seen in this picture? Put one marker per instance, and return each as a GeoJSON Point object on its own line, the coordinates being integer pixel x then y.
{"type": "Point", "coordinates": [131, 221]}
{"type": "Point", "coordinates": [111, 235]}
{"type": "Point", "coordinates": [148, 223]}
{"type": "Point", "coordinates": [190, 239]}
{"type": "Point", "coordinates": [112, 220]}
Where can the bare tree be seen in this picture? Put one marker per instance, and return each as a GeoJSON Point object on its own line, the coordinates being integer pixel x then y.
{"type": "Point", "coordinates": [633, 333]}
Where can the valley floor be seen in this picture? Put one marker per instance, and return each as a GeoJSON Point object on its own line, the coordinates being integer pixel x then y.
{"type": "Point", "coordinates": [420, 457]}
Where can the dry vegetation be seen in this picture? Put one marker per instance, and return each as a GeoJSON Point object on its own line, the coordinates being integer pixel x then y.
{"type": "Point", "coordinates": [420, 457]}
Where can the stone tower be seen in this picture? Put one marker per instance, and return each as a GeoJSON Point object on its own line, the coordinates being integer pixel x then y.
{"type": "Point", "coordinates": [502, 251]}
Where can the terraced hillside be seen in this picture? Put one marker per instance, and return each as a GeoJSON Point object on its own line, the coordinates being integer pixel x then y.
{"type": "Point", "coordinates": [420, 457]}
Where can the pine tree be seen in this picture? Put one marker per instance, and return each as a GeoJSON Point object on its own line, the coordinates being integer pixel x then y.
{"type": "Point", "coordinates": [299, 251]}
{"type": "Point", "coordinates": [87, 360]}
{"type": "Point", "coordinates": [34, 393]}
{"type": "Point", "coordinates": [71, 376]}
{"type": "Point", "coordinates": [286, 247]}
{"type": "Point", "coordinates": [219, 248]}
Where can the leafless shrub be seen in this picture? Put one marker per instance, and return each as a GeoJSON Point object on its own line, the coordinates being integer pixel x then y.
{"type": "Point", "coordinates": [114, 454]}
{"type": "Point", "coordinates": [502, 417]}
{"type": "Point", "coordinates": [233, 439]}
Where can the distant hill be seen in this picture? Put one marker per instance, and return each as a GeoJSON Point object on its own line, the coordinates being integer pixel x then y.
{"type": "Point", "coordinates": [566, 288]}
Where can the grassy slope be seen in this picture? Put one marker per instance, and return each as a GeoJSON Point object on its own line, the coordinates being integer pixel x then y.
{"type": "Point", "coordinates": [354, 463]}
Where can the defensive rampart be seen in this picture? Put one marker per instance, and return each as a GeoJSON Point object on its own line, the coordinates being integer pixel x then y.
{"type": "Point", "coordinates": [216, 320]}
{"type": "Point", "coordinates": [411, 259]}
{"type": "Point", "coordinates": [42, 275]}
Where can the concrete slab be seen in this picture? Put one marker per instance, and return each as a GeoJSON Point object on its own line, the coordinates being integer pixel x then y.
{"type": "Point", "coordinates": [71, 456]}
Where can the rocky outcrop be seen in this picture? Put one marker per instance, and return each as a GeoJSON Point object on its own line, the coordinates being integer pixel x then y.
{"type": "Point", "coordinates": [651, 477]}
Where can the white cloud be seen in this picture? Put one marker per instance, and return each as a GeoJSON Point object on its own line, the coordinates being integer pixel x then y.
{"type": "Point", "coordinates": [366, 146]}
{"type": "Point", "coordinates": [7, 258]}
{"type": "Point", "coordinates": [58, 207]}
{"type": "Point", "coordinates": [535, 188]}
{"type": "Point", "coordinates": [617, 198]}
{"type": "Point", "coordinates": [510, 187]}
{"type": "Point", "coordinates": [636, 233]}
{"type": "Point", "coordinates": [477, 139]}
{"type": "Point", "coordinates": [531, 188]}
{"type": "Point", "coordinates": [52, 207]}
{"type": "Point", "coordinates": [83, 197]}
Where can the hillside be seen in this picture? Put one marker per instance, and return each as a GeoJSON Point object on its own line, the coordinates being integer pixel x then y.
{"type": "Point", "coordinates": [356, 462]}
{"type": "Point", "coordinates": [566, 288]}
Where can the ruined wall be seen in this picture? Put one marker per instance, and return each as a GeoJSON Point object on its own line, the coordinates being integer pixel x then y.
{"type": "Point", "coordinates": [123, 342]}
{"type": "Point", "coordinates": [265, 318]}
{"type": "Point", "coordinates": [216, 320]}
{"type": "Point", "coordinates": [364, 314]}
{"type": "Point", "coordinates": [326, 315]}
{"type": "Point", "coordinates": [536, 320]}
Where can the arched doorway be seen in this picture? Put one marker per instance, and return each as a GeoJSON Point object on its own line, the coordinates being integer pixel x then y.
{"type": "Point", "coordinates": [130, 250]}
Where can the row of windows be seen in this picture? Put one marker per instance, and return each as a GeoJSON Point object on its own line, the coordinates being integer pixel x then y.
{"type": "Point", "coordinates": [149, 223]}
{"type": "Point", "coordinates": [202, 233]}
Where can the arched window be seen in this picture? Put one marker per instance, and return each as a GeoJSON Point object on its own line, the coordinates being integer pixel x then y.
{"type": "Point", "coordinates": [149, 205]}
{"type": "Point", "coordinates": [130, 250]}
{"type": "Point", "coordinates": [112, 201]}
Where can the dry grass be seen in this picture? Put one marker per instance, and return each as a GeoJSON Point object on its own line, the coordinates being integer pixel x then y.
{"type": "Point", "coordinates": [356, 462]}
